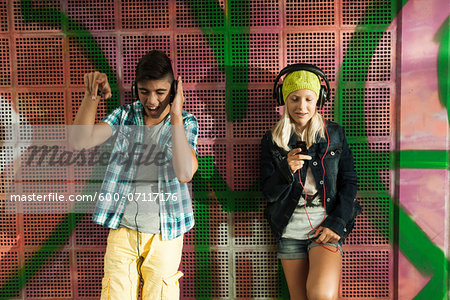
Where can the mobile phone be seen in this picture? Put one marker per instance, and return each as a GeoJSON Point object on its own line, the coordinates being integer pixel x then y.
{"type": "Point", "coordinates": [302, 145]}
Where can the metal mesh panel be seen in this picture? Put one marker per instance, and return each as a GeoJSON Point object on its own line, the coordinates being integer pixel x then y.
{"type": "Point", "coordinates": [257, 274]}
{"type": "Point", "coordinates": [42, 108]}
{"type": "Point", "coordinates": [82, 59]}
{"type": "Point", "coordinates": [372, 165]}
{"type": "Point", "coordinates": [46, 181]}
{"type": "Point", "coordinates": [127, 96]}
{"type": "Point", "coordinates": [375, 225]}
{"type": "Point", "coordinates": [144, 14]}
{"type": "Point", "coordinates": [136, 46]}
{"type": "Point", "coordinates": [310, 13]}
{"type": "Point", "coordinates": [39, 60]}
{"type": "Point", "coordinates": [9, 230]}
{"type": "Point", "coordinates": [4, 16]}
{"type": "Point", "coordinates": [355, 12]}
{"type": "Point", "coordinates": [89, 234]}
{"type": "Point", "coordinates": [53, 278]}
{"type": "Point", "coordinates": [260, 111]}
{"type": "Point", "coordinates": [212, 174]}
{"type": "Point", "coordinates": [249, 226]}
{"type": "Point", "coordinates": [7, 170]}
{"type": "Point", "coordinates": [38, 16]}
{"type": "Point", "coordinates": [255, 13]}
{"type": "Point", "coordinates": [368, 112]}
{"type": "Point", "coordinates": [50, 228]}
{"type": "Point", "coordinates": [6, 116]}
{"type": "Point", "coordinates": [211, 223]}
{"type": "Point", "coordinates": [197, 61]}
{"type": "Point", "coordinates": [9, 266]}
{"type": "Point", "coordinates": [208, 106]}
{"type": "Point", "coordinates": [255, 57]}
{"type": "Point", "coordinates": [89, 272]}
{"type": "Point", "coordinates": [37, 169]}
{"type": "Point", "coordinates": [246, 162]}
{"type": "Point", "coordinates": [85, 192]}
{"type": "Point", "coordinates": [379, 64]}
{"type": "Point", "coordinates": [317, 48]}
{"type": "Point", "coordinates": [91, 15]}
{"type": "Point", "coordinates": [212, 282]}
{"type": "Point", "coordinates": [366, 274]}
{"type": "Point", "coordinates": [209, 14]}
{"type": "Point", "coordinates": [252, 40]}
{"type": "Point", "coordinates": [5, 62]}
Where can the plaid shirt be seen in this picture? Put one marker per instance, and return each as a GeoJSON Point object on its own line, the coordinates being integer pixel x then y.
{"type": "Point", "coordinates": [127, 122]}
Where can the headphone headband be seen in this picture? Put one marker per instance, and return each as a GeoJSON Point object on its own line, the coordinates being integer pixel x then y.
{"type": "Point", "coordinates": [326, 94]}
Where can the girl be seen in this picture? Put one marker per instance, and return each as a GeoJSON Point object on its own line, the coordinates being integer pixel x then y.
{"type": "Point", "coordinates": [311, 188]}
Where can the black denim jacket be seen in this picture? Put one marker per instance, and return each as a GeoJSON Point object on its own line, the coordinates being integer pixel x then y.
{"type": "Point", "coordinates": [282, 189]}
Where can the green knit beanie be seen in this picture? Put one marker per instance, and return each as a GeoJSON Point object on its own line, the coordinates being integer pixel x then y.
{"type": "Point", "coordinates": [299, 80]}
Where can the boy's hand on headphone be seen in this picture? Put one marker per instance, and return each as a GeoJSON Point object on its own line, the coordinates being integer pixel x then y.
{"type": "Point", "coordinates": [95, 82]}
{"type": "Point", "coordinates": [176, 106]}
{"type": "Point", "coordinates": [296, 160]}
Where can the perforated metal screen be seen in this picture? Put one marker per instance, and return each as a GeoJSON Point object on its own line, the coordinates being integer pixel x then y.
{"type": "Point", "coordinates": [228, 54]}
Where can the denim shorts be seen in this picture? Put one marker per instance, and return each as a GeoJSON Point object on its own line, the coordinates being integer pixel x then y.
{"type": "Point", "coordinates": [298, 249]}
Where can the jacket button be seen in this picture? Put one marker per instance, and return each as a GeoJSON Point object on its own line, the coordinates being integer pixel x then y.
{"type": "Point", "coordinates": [314, 163]}
{"type": "Point", "coordinates": [321, 182]}
{"type": "Point", "coordinates": [328, 199]}
{"type": "Point", "coordinates": [345, 229]}
{"type": "Point", "coordinates": [332, 153]}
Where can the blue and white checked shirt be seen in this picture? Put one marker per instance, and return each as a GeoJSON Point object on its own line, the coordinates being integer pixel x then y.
{"type": "Point", "coordinates": [127, 122]}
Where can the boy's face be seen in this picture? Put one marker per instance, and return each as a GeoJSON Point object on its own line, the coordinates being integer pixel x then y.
{"type": "Point", "coordinates": [155, 97]}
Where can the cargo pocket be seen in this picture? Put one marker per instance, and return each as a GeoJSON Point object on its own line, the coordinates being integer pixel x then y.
{"type": "Point", "coordinates": [171, 287]}
{"type": "Point", "coordinates": [105, 289]}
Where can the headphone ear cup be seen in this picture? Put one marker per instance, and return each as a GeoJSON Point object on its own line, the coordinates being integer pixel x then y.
{"type": "Point", "coordinates": [134, 90]}
{"type": "Point", "coordinates": [322, 96]}
{"type": "Point", "coordinates": [280, 94]}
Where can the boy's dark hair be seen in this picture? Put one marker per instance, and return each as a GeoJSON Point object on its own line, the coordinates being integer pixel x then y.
{"type": "Point", "coordinates": [154, 65]}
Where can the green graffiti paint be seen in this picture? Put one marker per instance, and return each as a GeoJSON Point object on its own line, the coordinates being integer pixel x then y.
{"type": "Point", "coordinates": [422, 159]}
{"type": "Point", "coordinates": [443, 36]}
{"type": "Point", "coordinates": [231, 56]}
{"type": "Point", "coordinates": [81, 35]}
{"type": "Point", "coordinates": [412, 239]}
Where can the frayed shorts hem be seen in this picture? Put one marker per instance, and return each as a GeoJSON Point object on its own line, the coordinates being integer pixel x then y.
{"type": "Point", "coordinates": [299, 249]}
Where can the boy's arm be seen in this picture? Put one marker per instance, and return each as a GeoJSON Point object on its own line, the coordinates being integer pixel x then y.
{"type": "Point", "coordinates": [184, 158]}
{"type": "Point", "coordinates": [86, 133]}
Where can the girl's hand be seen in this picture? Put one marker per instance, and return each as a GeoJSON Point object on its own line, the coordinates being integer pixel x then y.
{"type": "Point", "coordinates": [326, 235]}
{"type": "Point", "coordinates": [296, 160]}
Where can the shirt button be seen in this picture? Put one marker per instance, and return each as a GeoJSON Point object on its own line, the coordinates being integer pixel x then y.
{"type": "Point", "coordinates": [314, 163]}
{"type": "Point", "coordinates": [332, 153]}
{"type": "Point", "coordinates": [328, 199]}
{"type": "Point", "coordinates": [321, 182]}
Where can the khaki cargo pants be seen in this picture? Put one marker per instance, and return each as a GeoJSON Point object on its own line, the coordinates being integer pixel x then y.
{"type": "Point", "coordinates": [159, 268]}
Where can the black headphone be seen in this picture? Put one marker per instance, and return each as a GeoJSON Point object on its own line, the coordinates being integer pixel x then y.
{"type": "Point", "coordinates": [173, 90]}
{"type": "Point", "coordinates": [325, 91]}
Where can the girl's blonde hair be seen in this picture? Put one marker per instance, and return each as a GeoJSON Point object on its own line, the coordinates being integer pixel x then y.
{"type": "Point", "coordinates": [285, 127]}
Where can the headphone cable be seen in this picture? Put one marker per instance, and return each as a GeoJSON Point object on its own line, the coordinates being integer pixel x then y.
{"type": "Point", "coordinates": [324, 196]}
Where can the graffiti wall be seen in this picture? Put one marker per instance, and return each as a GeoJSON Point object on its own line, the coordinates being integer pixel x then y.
{"type": "Point", "coordinates": [387, 62]}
